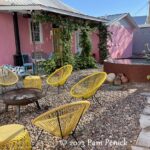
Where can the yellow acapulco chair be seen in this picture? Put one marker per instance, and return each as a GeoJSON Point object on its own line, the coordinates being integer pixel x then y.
{"type": "Point", "coordinates": [62, 121]}
{"type": "Point", "coordinates": [88, 86]}
{"type": "Point", "coordinates": [14, 137]}
{"type": "Point", "coordinates": [60, 76]}
{"type": "Point", "coordinates": [7, 77]}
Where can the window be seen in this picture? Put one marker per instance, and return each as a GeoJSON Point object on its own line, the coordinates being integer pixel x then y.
{"type": "Point", "coordinates": [36, 32]}
{"type": "Point", "coordinates": [78, 48]}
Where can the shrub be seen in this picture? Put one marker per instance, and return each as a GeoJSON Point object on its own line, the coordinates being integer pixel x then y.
{"type": "Point", "coordinates": [55, 62]}
{"type": "Point", "coordinates": [84, 62]}
{"type": "Point", "coordinates": [49, 65]}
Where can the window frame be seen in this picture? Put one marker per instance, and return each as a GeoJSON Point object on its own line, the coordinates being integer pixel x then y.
{"type": "Point", "coordinates": [78, 49]}
{"type": "Point", "coordinates": [40, 33]}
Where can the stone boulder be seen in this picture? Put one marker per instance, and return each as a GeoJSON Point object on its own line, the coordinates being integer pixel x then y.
{"type": "Point", "coordinates": [117, 80]}
{"type": "Point", "coordinates": [111, 77]}
{"type": "Point", "coordinates": [123, 78]}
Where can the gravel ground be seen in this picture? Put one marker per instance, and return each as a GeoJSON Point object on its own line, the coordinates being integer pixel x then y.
{"type": "Point", "coordinates": [113, 125]}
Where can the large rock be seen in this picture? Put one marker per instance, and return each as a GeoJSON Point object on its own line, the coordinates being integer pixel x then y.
{"type": "Point", "coordinates": [117, 81]}
{"type": "Point", "coordinates": [111, 77]}
{"type": "Point", "coordinates": [123, 78]}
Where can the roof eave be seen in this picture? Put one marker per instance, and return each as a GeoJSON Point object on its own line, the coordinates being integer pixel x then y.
{"type": "Point", "coordinates": [123, 16]}
{"type": "Point", "coordinates": [49, 9]}
{"type": "Point", "coordinates": [132, 21]}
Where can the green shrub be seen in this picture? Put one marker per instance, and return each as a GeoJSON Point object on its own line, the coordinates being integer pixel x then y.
{"type": "Point", "coordinates": [84, 62]}
{"type": "Point", "coordinates": [55, 62]}
{"type": "Point", "coordinates": [85, 43]}
{"type": "Point", "coordinates": [49, 66]}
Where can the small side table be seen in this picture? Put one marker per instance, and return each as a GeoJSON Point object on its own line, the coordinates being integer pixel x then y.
{"type": "Point", "coordinates": [33, 82]}
{"type": "Point", "coordinates": [14, 136]}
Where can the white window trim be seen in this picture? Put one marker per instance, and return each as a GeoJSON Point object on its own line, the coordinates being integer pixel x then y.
{"type": "Point", "coordinates": [41, 34]}
{"type": "Point", "coordinates": [77, 46]}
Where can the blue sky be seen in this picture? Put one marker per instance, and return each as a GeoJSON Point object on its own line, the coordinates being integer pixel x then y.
{"type": "Point", "coordinates": [106, 7]}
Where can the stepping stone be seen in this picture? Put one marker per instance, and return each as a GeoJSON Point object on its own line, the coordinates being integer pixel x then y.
{"type": "Point", "coordinates": [139, 148]}
{"type": "Point", "coordinates": [144, 121]}
{"type": "Point", "coordinates": [144, 138]}
{"type": "Point", "coordinates": [145, 94]}
{"type": "Point", "coordinates": [146, 110]}
{"type": "Point", "coordinates": [148, 100]}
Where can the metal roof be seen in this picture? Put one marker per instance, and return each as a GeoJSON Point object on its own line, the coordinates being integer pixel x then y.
{"type": "Point", "coordinates": [116, 17]}
{"type": "Point", "coordinates": [49, 3]}
{"type": "Point", "coordinates": [55, 6]}
{"type": "Point", "coordinates": [140, 20]}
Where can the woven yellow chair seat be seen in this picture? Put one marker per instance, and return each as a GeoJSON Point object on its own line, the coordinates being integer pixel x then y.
{"type": "Point", "coordinates": [7, 77]}
{"type": "Point", "coordinates": [14, 137]}
{"type": "Point", "coordinates": [88, 86]}
{"type": "Point", "coordinates": [60, 76]}
{"type": "Point", "coordinates": [67, 115]}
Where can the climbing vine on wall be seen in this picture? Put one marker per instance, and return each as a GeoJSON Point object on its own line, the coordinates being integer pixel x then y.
{"type": "Point", "coordinates": [103, 35]}
{"type": "Point", "coordinates": [67, 26]}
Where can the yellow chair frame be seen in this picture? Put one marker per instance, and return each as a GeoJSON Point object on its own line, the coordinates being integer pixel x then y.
{"type": "Point", "coordinates": [62, 121]}
{"type": "Point", "coordinates": [18, 139]}
{"type": "Point", "coordinates": [60, 76]}
{"type": "Point", "coordinates": [88, 86]}
{"type": "Point", "coordinates": [7, 77]}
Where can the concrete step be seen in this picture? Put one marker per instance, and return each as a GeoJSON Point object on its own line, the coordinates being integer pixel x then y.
{"type": "Point", "coordinates": [144, 121]}
{"type": "Point", "coordinates": [144, 138]}
{"type": "Point", "coordinates": [139, 148]}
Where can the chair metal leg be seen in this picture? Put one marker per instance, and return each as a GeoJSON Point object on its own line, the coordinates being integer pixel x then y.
{"type": "Point", "coordinates": [59, 124]}
{"type": "Point", "coordinates": [17, 86]}
{"type": "Point", "coordinates": [18, 112]}
{"type": "Point", "coordinates": [38, 137]}
{"type": "Point", "coordinates": [6, 108]}
{"type": "Point", "coordinates": [73, 135]}
{"type": "Point", "coordinates": [94, 98]}
{"type": "Point", "coordinates": [46, 90]}
{"type": "Point", "coordinates": [38, 106]}
{"type": "Point", "coordinates": [78, 121]}
{"type": "Point", "coordinates": [3, 90]}
{"type": "Point", "coordinates": [58, 89]}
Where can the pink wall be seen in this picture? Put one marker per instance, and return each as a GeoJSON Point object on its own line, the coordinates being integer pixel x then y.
{"type": "Point", "coordinates": [74, 43]}
{"type": "Point", "coordinates": [122, 41]}
{"type": "Point", "coordinates": [7, 42]}
{"type": "Point", "coordinates": [25, 37]}
{"type": "Point", "coordinates": [7, 39]}
{"type": "Point", "coordinates": [95, 43]}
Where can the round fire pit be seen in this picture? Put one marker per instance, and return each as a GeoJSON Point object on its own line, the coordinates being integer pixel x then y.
{"type": "Point", "coordinates": [21, 97]}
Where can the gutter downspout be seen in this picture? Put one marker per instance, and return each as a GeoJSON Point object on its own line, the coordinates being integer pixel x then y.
{"type": "Point", "coordinates": [17, 57]}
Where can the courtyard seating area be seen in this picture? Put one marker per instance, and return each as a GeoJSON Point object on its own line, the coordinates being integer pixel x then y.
{"type": "Point", "coordinates": [115, 119]}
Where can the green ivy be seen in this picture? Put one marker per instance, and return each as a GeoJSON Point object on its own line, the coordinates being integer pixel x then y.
{"type": "Point", "coordinates": [68, 25]}
{"type": "Point", "coordinates": [85, 59]}
{"type": "Point", "coordinates": [85, 42]}
{"type": "Point", "coordinates": [103, 35]}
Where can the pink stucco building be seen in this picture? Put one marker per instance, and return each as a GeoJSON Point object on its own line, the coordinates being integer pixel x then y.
{"type": "Point", "coordinates": [16, 28]}
{"type": "Point", "coordinates": [122, 28]}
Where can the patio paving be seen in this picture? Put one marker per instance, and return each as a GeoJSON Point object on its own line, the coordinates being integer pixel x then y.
{"type": "Point", "coordinates": [112, 126]}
